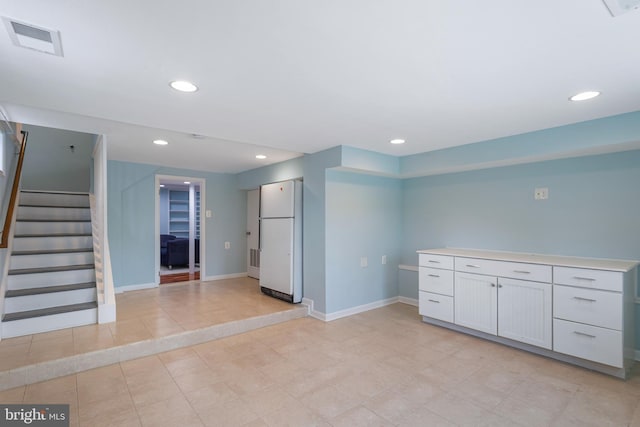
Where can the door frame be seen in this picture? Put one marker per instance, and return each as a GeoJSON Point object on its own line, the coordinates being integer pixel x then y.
{"type": "Point", "coordinates": [179, 179]}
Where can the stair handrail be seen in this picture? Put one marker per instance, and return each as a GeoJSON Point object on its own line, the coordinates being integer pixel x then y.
{"type": "Point", "coordinates": [4, 241]}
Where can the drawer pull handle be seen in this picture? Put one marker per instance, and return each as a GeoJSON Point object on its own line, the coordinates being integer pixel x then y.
{"type": "Point", "coordinates": [522, 271]}
{"type": "Point", "coordinates": [434, 262]}
{"type": "Point", "coordinates": [434, 275]}
{"type": "Point", "coordinates": [584, 299]}
{"type": "Point", "coordinates": [432, 300]}
{"type": "Point", "coordinates": [473, 266]}
{"type": "Point", "coordinates": [589, 279]}
{"type": "Point", "coordinates": [493, 285]}
{"type": "Point", "coordinates": [583, 334]}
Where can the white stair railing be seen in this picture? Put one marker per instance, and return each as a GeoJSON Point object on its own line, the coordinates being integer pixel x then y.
{"type": "Point", "coordinates": [98, 201]}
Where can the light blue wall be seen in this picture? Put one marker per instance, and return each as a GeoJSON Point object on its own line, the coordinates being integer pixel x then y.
{"type": "Point", "coordinates": [131, 204]}
{"type": "Point", "coordinates": [283, 171]}
{"type": "Point", "coordinates": [50, 164]}
{"type": "Point", "coordinates": [592, 211]}
{"type": "Point", "coordinates": [613, 133]}
{"type": "Point", "coordinates": [363, 219]}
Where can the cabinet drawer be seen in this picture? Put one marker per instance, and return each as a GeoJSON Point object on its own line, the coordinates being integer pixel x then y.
{"type": "Point", "coordinates": [513, 270]}
{"type": "Point", "coordinates": [435, 261]}
{"type": "Point", "coordinates": [435, 280]}
{"type": "Point", "coordinates": [594, 307]}
{"type": "Point", "coordinates": [437, 306]}
{"type": "Point", "coordinates": [588, 342]}
{"type": "Point", "coordinates": [586, 278]}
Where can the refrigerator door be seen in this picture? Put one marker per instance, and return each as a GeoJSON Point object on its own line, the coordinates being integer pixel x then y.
{"type": "Point", "coordinates": [276, 200]}
{"type": "Point", "coordinates": [276, 254]}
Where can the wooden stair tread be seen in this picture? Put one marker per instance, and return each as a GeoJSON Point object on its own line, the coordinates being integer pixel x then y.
{"type": "Point", "coordinates": [54, 235]}
{"type": "Point", "coordinates": [49, 289]}
{"type": "Point", "coordinates": [30, 205]}
{"type": "Point", "coordinates": [52, 251]}
{"type": "Point", "coordinates": [48, 311]}
{"type": "Point", "coordinates": [51, 269]}
{"type": "Point", "coordinates": [52, 220]}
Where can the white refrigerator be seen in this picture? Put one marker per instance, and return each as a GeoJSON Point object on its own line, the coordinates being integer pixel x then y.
{"type": "Point", "coordinates": [281, 240]}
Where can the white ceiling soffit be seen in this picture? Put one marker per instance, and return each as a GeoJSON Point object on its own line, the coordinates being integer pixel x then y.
{"type": "Point", "coordinates": [31, 36]}
{"type": "Point", "coordinates": [618, 7]}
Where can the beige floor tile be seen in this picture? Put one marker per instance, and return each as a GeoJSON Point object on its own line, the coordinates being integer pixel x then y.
{"type": "Point", "coordinates": [268, 400]}
{"type": "Point", "coordinates": [359, 417]}
{"type": "Point", "coordinates": [423, 417]}
{"type": "Point", "coordinates": [232, 413]}
{"type": "Point", "coordinates": [12, 396]}
{"type": "Point", "coordinates": [196, 380]}
{"type": "Point", "coordinates": [328, 402]}
{"type": "Point", "coordinates": [458, 410]}
{"type": "Point", "coordinates": [212, 394]}
{"type": "Point", "coordinates": [524, 413]}
{"type": "Point", "coordinates": [187, 365]}
{"type": "Point", "coordinates": [550, 396]}
{"type": "Point", "coordinates": [599, 407]}
{"type": "Point", "coordinates": [154, 391]}
{"type": "Point", "coordinates": [170, 413]}
{"type": "Point", "coordinates": [110, 406]}
{"type": "Point", "coordinates": [296, 416]}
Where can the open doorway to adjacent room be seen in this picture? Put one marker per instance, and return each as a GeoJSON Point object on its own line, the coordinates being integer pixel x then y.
{"type": "Point", "coordinates": [179, 204]}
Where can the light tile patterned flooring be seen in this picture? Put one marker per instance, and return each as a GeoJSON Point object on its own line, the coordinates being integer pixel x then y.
{"type": "Point", "coordinates": [380, 368]}
{"type": "Point", "coordinates": [145, 314]}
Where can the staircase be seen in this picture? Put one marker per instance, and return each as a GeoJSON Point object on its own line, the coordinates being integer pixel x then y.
{"type": "Point", "coordinates": [51, 283]}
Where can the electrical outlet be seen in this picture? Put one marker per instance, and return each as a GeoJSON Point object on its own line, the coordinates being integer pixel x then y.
{"type": "Point", "coordinates": [208, 213]}
{"type": "Point", "coordinates": [541, 193]}
{"type": "Point", "coordinates": [384, 259]}
{"type": "Point", "coordinates": [363, 261]}
{"type": "Point", "coordinates": [227, 245]}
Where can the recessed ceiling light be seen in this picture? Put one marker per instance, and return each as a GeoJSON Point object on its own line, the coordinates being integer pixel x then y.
{"type": "Point", "coordinates": [187, 182]}
{"type": "Point", "coordinates": [397, 141]}
{"type": "Point", "coordinates": [183, 86]}
{"type": "Point", "coordinates": [583, 96]}
{"type": "Point", "coordinates": [160, 142]}
{"type": "Point", "coordinates": [161, 185]}
{"type": "Point", "coordinates": [261, 156]}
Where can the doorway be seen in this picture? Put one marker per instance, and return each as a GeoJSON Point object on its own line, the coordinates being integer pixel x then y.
{"type": "Point", "coordinates": [179, 248]}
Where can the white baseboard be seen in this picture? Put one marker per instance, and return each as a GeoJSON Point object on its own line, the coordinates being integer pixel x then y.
{"type": "Point", "coordinates": [408, 267]}
{"type": "Point", "coordinates": [128, 288]}
{"type": "Point", "coordinates": [409, 301]}
{"type": "Point", "coordinates": [347, 312]}
{"type": "Point", "coordinates": [223, 277]}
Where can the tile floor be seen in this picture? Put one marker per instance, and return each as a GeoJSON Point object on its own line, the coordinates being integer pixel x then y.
{"type": "Point", "coordinates": [380, 368]}
{"type": "Point", "coordinates": [145, 314]}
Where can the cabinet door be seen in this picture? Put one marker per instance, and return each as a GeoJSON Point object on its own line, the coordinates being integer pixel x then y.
{"type": "Point", "coordinates": [524, 311]}
{"type": "Point", "coordinates": [476, 302]}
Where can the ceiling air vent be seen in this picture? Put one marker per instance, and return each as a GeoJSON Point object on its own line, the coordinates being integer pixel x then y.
{"type": "Point", "coordinates": [33, 37]}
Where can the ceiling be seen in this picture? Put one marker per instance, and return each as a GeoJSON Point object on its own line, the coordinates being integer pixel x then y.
{"type": "Point", "coordinates": [286, 77]}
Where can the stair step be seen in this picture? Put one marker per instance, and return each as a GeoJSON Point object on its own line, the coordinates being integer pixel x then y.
{"type": "Point", "coordinates": [50, 251]}
{"type": "Point", "coordinates": [39, 198]}
{"type": "Point", "coordinates": [53, 206]}
{"type": "Point", "coordinates": [53, 220]}
{"type": "Point", "coordinates": [10, 317]}
{"type": "Point", "coordinates": [53, 212]}
{"type": "Point", "coordinates": [53, 235]}
{"type": "Point", "coordinates": [51, 269]}
{"type": "Point", "coordinates": [49, 289]}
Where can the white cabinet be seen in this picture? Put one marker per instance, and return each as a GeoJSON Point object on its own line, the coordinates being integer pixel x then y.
{"type": "Point", "coordinates": [436, 287]}
{"type": "Point", "coordinates": [524, 311]}
{"type": "Point", "coordinates": [579, 310]}
{"type": "Point", "coordinates": [589, 314]}
{"type": "Point", "coordinates": [519, 310]}
{"type": "Point", "coordinates": [476, 302]}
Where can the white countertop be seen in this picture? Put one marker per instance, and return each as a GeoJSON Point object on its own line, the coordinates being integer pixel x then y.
{"type": "Point", "coordinates": [563, 261]}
